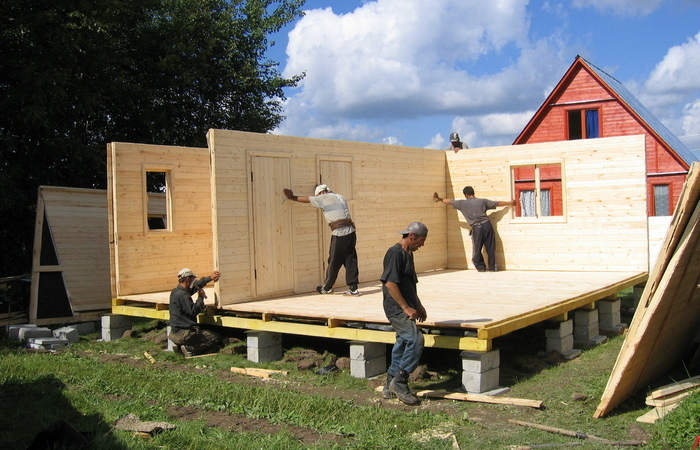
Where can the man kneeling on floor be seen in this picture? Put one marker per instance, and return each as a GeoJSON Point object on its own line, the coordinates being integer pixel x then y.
{"type": "Point", "coordinates": [185, 332]}
{"type": "Point", "coordinates": [403, 308]}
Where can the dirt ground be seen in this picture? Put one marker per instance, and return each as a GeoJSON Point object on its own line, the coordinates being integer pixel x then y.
{"type": "Point", "coordinates": [306, 357]}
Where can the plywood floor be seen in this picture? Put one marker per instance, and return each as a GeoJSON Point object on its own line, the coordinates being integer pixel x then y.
{"type": "Point", "coordinates": [492, 303]}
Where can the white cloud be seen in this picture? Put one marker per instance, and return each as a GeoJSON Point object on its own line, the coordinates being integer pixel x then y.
{"type": "Point", "coordinates": [678, 71]}
{"type": "Point", "coordinates": [403, 59]}
{"type": "Point", "coordinates": [621, 7]}
{"type": "Point", "coordinates": [691, 119]}
{"type": "Point", "coordinates": [491, 129]}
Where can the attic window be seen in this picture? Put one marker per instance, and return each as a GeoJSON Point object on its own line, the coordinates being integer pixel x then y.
{"type": "Point", "coordinates": [538, 190]}
{"type": "Point", "coordinates": [157, 200]}
{"type": "Point", "coordinates": [583, 124]}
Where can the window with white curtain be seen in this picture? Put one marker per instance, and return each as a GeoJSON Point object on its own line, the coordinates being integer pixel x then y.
{"type": "Point", "coordinates": [538, 188]}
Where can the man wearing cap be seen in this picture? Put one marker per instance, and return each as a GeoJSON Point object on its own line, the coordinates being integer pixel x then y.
{"type": "Point", "coordinates": [184, 329]}
{"type": "Point", "coordinates": [343, 237]}
{"type": "Point", "coordinates": [455, 143]}
{"type": "Point", "coordinates": [483, 235]}
{"type": "Point", "coordinates": [403, 308]}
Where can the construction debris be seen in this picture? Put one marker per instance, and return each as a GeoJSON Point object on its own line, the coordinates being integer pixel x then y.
{"type": "Point", "coordinates": [576, 434]}
{"type": "Point", "coordinates": [666, 398]}
{"type": "Point", "coordinates": [260, 373]}
{"type": "Point", "coordinates": [480, 398]}
{"type": "Point", "coordinates": [131, 422]}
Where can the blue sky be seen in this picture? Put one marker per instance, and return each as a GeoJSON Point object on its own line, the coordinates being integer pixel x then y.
{"type": "Point", "coordinates": [409, 72]}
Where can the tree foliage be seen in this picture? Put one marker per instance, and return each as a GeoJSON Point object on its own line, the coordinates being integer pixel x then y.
{"type": "Point", "coordinates": [78, 74]}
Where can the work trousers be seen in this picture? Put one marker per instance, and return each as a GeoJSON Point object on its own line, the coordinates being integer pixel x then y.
{"type": "Point", "coordinates": [342, 253]}
{"type": "Point", "coordinates": [200, 340]}
{"type": "Point", "coordinates": [408, 348]}
{"type": "Point", "coordinates": [483, 236]}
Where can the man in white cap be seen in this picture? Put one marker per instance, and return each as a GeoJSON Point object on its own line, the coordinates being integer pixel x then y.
{"type": "Point", "coordinates": [185, 332]}
{"type": "Point", "coordinates": [403, 308]}
{"type": "Point", "coordinates": [343, 237]}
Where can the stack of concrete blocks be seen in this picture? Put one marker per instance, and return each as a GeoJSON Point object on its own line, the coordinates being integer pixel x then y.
{"type": "Point", "coordinates": [480, 371]}
{"type": "Point", "coordinates": [587, 328]}
{"type": "Point", "coordinates": [35, 336]}
{"type": "Point", "coordinates": [114, 326]}
{"type": "Point", "coordinates": [561, 339]}
{"type": "Point", "coordinates": [263, 346]}
{"type": "Point", "coordinates": [610, 319]}
{"type": "Point", "coordinates": [13, 330]}
{"type": "Point", "coordinates": [367, 359]}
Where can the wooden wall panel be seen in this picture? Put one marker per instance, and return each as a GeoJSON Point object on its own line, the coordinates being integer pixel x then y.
{"type": "Point", "coordinates": [392, 186]}
{"type": "Point", "coordinates": [604, 227]}
{"type": "Point", "coordinates": [148, 260]}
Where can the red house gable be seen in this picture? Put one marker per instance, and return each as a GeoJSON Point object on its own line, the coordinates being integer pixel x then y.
{"type": "Point", "coordinates": [589, 103]}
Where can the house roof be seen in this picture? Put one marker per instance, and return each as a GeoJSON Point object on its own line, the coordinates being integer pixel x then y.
{"type": "Point", "coordinates": [629, 101]}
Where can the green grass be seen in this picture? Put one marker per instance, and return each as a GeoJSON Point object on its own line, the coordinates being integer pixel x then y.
{"type": "Point", "coordinates": [92, 384]}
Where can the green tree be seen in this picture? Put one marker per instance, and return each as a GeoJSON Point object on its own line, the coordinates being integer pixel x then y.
{"type": "Point", "coordinates": [78, 74]}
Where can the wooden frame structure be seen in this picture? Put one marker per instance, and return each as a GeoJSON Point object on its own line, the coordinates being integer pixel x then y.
{"type": "Point", "coordinates": [70, 263]}
{"type": "Point", "coordinates": [228, 211]}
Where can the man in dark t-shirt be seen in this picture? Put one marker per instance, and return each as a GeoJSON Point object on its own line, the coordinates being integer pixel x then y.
{"type": "Point", "coordinates": [483, 235]}
{"type": "Point", "coordinates": [403, 308]}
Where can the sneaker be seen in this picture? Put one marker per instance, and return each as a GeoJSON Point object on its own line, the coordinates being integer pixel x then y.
{"type": "Point", "coordinates": [352, 292]}
{"type": "Point", "coordinates": [322, 290]}
{"type": "Point", "coordinates": [188, 352]}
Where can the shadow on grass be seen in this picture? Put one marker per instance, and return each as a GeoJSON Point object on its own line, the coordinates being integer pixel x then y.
{"type": "Point", "coordinates": [37, 415]}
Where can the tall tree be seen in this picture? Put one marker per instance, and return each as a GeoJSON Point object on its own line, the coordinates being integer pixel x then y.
{"type": "Point", "coordinates": [77, 74]}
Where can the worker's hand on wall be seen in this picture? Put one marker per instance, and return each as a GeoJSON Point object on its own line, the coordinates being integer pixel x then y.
{"type": "Point", "coordinates": [289, 194]}
{"type": "Point", "coordinates": [436, 197]}
{"type": "Point", "coordinates": [215, 275]}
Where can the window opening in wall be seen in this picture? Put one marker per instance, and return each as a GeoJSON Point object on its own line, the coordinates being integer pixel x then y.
{"type": "Point", "coordinates": [157, 200]}
{"type": "Point", "coordinates": [538, 189]}
{"type": "Point", "coordinates": [583, 124]}
{"type": "Point", "coordinates": [662, 202]}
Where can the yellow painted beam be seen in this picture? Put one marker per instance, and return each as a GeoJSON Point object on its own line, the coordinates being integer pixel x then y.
{"type": "Point", "coordinates": [503, 327]}
{"type": "Point", "coordinates": [137, 311]}
{"type": "Point", "coordinates": [305, 329]}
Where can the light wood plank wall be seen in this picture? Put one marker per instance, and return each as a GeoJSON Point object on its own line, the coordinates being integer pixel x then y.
{"type": "Point", "coordinates": [605, 223]}
{"type": "Point", "coordinates": [604, 226]}
{"type": "Point", "coordinates": [77, 220]}
{"type": "Point", "coordinates": [148, 260]}
{"type": "Point", "coordinates": [391, 187]}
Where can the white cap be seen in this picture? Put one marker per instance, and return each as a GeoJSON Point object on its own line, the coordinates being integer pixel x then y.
{"type": "Point", "coordinates": [184, 273]}
{"type": "Point", "coordinates": [320, 188]}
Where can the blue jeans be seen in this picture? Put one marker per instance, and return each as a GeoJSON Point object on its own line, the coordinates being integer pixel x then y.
{"type": "Point", "coordinates": [405, 355]}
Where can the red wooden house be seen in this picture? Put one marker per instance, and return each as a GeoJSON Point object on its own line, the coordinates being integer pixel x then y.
{"type": "Point", "coordinates": [589, 103]}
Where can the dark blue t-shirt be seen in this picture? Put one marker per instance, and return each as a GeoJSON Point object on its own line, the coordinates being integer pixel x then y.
{"type": "Point", "coordinates": [399, 269]}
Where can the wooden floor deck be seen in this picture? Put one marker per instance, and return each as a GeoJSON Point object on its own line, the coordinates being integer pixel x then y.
{"type": "Point", "coordinates": [484, 305]}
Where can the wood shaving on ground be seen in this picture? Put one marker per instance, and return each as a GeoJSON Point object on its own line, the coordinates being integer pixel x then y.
{"type": "Point", "coordinates": [131, 422]}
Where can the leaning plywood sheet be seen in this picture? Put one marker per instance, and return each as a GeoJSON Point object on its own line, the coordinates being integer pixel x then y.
{"type": "Point", "coordinates": [70, 265]}
{"type": "Point", "coordinates": [669, 310]}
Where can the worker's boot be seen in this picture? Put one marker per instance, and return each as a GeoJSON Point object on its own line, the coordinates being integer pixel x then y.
{"type": "Point", "coordinates": [386, 392]}
{"type": "Point", "coordinates": [399, 386]}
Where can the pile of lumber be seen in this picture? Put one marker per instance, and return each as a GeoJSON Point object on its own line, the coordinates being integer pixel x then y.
{"type": "Point", "coordinates": [666, 398]}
